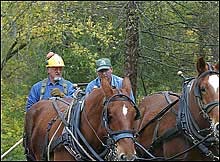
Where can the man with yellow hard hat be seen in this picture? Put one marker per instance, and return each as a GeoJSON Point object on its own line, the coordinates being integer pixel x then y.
{"type": "Point", "coordinates": [54, 85]}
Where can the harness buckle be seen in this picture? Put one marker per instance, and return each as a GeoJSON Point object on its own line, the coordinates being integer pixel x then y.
{"type": "Point", "coordinates": [78, 157]}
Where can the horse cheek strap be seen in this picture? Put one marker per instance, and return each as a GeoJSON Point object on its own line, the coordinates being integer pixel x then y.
{"type": "Point", "coordinates": [138, 113]}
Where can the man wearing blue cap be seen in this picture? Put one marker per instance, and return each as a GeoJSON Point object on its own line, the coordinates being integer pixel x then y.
{"type": "Point", "coordinates": [104, 67]}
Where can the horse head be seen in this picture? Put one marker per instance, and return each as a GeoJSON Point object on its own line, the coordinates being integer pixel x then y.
{"type": "Point", "coordinates": [206, 92]}
{"type": "Point", "coordinates": [119, 119]}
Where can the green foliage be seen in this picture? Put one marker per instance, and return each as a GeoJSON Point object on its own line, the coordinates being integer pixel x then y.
{"type": "Point", "coordinates": [12, 117]}
{"type": "Point", "coordinates": [171, 37]}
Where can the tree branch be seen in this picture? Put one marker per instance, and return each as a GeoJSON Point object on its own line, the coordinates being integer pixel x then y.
{"type": "Point", "coordinates": [11, 53]}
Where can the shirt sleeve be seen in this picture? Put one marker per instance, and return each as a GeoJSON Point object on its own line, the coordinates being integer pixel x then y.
{"type": "Point", "coordinates": [94, 83]}
{"type": "Point", "coordinates": [89, 88]}
{"type": "Point", "coordinates": [34, 95]}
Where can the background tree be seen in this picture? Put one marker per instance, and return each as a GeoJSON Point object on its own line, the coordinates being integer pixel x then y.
{"type": "Point", "coordinates": [132, 44]}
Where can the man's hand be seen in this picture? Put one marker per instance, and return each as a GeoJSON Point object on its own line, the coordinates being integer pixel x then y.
{"type": "Point", "coordinates": [57, 93]}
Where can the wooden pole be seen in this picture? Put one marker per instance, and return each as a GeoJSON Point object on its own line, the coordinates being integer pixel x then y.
{"type": "Point", "coordinates": [9, 150]}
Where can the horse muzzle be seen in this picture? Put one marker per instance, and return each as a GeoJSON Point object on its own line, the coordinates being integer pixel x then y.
{"type": "Point", "coordinates": [123, 157]}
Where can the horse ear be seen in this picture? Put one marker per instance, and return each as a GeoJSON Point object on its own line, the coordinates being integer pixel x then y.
{"type": "Point", "coordinates": [126, 84]}
{"type": "Point", "coordinates": [201, 65]}
{"type": "Point", "coordinates": [106, 86]}
{"type": "Point", "coordinates": [217, 67]}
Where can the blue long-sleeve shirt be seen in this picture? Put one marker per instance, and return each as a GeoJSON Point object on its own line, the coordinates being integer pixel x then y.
{"type": "Point", "coordinates": [35, 92]}
{"type": "Point", "coordinates": [115, 82]}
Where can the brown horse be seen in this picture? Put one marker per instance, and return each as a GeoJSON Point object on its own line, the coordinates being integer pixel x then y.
{"type": "Point", "coordinates": [101, 127]}
{"type": "Point", "coordinates": [182, 126]}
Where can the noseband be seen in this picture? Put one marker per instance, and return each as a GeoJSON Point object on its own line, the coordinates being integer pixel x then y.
{"type": "Point", "coordinates": [117, 135]}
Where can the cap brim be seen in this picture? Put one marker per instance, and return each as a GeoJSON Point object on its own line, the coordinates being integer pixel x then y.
{"type": "Point", "coordinates": [103, 67]}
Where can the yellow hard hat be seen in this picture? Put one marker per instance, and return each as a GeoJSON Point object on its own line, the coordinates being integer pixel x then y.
{"type": "Point", "coordinates": [54, 60]}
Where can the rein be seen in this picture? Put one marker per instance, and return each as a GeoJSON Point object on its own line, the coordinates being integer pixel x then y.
{"type": "Point", "coordinates": [159, 115]}
{"type": "Point", "coordinates": [67, 138]}
{"type": "Point", "coordinates": [50, 145]}
{"type": "Point", "coordinates": [81, 153]}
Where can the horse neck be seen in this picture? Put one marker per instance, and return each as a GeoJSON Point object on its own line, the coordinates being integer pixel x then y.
{"type": "Point", "coordinates": [91, 118]}
{"type": "Point", "coordinates": [196, 110]}
{"type": "Point", "coordinates": [94, 107]}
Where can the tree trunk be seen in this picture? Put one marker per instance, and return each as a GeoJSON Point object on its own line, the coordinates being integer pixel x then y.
{"type": "Point", "coordinates": [132, 43]}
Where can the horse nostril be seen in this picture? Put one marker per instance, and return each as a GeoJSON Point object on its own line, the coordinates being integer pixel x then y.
{"type": "Point", "coordinates": [123, 157]}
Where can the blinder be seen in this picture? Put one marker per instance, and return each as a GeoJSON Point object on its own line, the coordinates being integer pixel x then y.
{"type": "Point", "coordinates": [196, 89]}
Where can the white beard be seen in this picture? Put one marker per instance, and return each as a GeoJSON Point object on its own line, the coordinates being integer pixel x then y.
{"type": "Point", "coordinates": [57, 79]}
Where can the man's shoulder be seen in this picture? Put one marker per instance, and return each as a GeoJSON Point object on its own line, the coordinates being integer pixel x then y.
{"type": "Point", "coordinates": [41, 83]}
{"type": "Point", "coordinates": [93, 82]}
{"type": "Point", "coordinates": [37, 84]}
{"type": "Point", "coordinates": [67, 81]}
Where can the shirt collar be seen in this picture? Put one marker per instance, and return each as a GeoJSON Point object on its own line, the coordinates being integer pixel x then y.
{"type": "Point", "coordinates": [56, 83]}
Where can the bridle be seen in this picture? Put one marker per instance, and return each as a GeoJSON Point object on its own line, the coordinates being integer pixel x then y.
{"type": "Point", "coordinates": [114, 136]}
{"type": "Point", "coordinates": [202, 138]}
{"type": "Point", "coordinates": [205, 108]}
{"type": "Point", "coordinates": [117, 135]}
